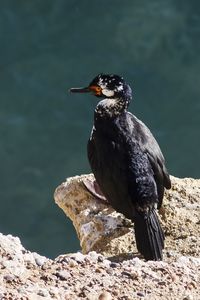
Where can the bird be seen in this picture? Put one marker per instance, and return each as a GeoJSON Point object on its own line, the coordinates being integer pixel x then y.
{"type": "Point", "coordinates": [127, 162]}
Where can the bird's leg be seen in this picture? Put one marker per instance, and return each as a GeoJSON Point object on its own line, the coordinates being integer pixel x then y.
{"type": "Point", "coordinates": [93, 187]}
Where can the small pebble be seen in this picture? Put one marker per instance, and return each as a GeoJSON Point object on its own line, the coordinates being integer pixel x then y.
{"type": "Point", "coordinates": [43, 293]}
{"type": "Point", "coordinates": [114, 265]}
{"type": "Point", "coordinates": [39, 259]}
{"type": "Point", "coordinates": [140, 294]}
{"type": "Point", "coordinates": [193, 239]}
{"type": "Point", "coordinates": [78, 257]}
{"type": "Point", "coordinates": [110, 271]}
{"type": "Point", "coordinates": [100, 258]}
{"type": "Point", "coordinates": [9, 278]}
{"type": "Point", "coordinates": [98, 270]}
{"type": "Point", "coordinates": [127, 274]}
{"type": "Point", "coordinates": [188, 297]}
{"type": "Point", "coordinates": [63, 275]}
{"type": "Point", "coordinates": [106, 263]}
{"type": "Point", "coordinates": [105, 296]}
{"type": "Point", "coordinates": [93, 256]}
{"type": "Point", "coordinates": [73, 263]}
{"type": "Point", "coordinates": [162, 283]}
{"type": "Point", "coordinates": [115, 292]}
{"type": "Point", "coordinates": [44, 267]}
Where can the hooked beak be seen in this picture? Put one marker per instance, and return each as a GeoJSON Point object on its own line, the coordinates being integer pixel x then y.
{"type": "Point", "coordinates": [80, 90]}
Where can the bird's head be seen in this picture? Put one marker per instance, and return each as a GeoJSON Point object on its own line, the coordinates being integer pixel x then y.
{"type": "Point", "coordinates": [107, 86]}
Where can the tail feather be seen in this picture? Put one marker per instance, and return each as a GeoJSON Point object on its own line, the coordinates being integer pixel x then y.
{"type": "Point", "coordinates": [149, 235]}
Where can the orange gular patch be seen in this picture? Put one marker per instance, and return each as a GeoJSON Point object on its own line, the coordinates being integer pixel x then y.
{"type": "Point", "coordinates": [96, 89]}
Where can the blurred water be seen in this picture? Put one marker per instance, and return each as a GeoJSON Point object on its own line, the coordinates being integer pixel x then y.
{"type": "Point", "coordinates": [49, 46]}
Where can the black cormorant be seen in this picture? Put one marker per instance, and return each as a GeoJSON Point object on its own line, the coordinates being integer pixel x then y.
{"type": "Point", "coordinates": [127, 162]}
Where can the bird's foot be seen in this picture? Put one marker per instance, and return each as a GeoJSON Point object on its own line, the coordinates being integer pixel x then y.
{"type": "Point", "coordinates": [93, 187]}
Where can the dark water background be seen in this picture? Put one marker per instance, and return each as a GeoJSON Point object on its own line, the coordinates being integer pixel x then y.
{"type": "Point", "coordinates": [47, 47]}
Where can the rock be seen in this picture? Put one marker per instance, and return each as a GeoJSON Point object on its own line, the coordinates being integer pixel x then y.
{"type": "Point", "coordinates": [63, 275]}
{"type": "Point", "coordinates": [114, 273]}
{"type": "Point", "coordinates": [94, 277]}
{"type": "Point", "coordinates": [13, 256]}
{"type": "Point", "coordinates": [39, 259]}
{"type": "Point", "coordinates": [102, 229]}
{"type": "Point", "coordinates": [96, 223]}
{"type": "Point", "coordinates": [44, 293]}
{"type": "Point", "coordinates": [105, 296]}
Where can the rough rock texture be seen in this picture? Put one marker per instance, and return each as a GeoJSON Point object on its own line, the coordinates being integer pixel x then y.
{"type": "Point", "coordinates": [96, 223]}
{"type": "Point", "coordinates": [29, 276]}
{"type": "Point", "coordinates": [102, 229]}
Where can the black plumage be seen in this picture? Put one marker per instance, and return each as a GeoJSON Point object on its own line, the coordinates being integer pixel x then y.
{"type": "Point", "coordinates": [127, 162]}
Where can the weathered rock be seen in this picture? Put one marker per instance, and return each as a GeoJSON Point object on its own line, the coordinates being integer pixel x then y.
{"type": "Point", "coordinates": [26, 275]}
{"type": "Point", "coordinates": [18, 258]}
{"type": "Point", "coordinates": [93, 277]}
{"type": "Point", "coordinates": [97, 224]}
{"type": "Point", "coordinates": [102, 229]}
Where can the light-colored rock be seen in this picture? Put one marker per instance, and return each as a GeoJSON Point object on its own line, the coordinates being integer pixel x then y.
{"type": "Point", "coordinates": [26, 275]}
{"type": "Point", "coordinates": [102, 229]}
{"type": "Point", "coordinates": [94, 277]}
{"type": "Point", "coordinates": [96, 222]}
{"type": "Point", "coordinates": [18, 257]}
{"type": "Point", "coordinates": [181, 220]}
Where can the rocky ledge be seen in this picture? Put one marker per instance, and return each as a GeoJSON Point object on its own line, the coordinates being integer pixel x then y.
{"type": "Point", "coordinates": [114, 270]}
{"type": "Point", "coordinates": [100, 228]}
{"type": "Point", "coordinates": [29, 276]}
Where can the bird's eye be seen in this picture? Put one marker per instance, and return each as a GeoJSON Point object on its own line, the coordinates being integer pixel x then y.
{"type": "Point", "coordinates": [98, 89]}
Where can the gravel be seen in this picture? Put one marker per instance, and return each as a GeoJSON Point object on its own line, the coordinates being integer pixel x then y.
{"type": "Point", "coordinates": [25, 275]}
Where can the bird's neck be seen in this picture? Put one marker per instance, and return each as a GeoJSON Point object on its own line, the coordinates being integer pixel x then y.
{"type": "Point", "coordinates": [110, 108]}
{"type": "Point", "coordinates": [113, 107]}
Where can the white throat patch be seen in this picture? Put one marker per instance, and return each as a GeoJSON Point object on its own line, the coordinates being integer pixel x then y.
{"type": "Point", "coordinates": [108, 93]}
{"type": "Point", "coordinates": [108, 102]}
